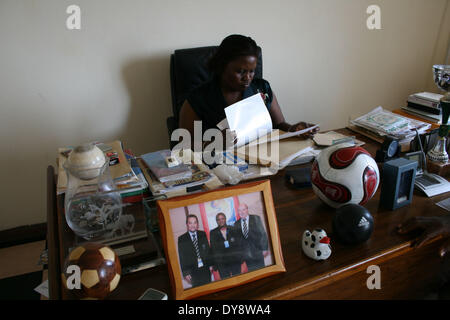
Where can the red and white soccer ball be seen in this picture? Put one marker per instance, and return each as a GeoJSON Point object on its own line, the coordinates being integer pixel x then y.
{"type": "Point", "coordinates": [343, 174]}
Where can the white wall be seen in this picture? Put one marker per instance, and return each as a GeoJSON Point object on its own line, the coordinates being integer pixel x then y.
{"type": "Point", "coordinates": [110, 80]}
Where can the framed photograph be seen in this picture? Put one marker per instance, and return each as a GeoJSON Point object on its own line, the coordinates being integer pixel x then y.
{"type": "Point", "coordinates": [220, 239]}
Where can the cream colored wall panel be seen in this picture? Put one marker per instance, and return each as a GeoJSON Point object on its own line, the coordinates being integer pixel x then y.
{"type": "Point", "coordinates": [110, 80]}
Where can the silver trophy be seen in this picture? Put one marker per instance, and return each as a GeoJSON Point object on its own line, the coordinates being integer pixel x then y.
{"type": "Point", "coordinates": [441, 75]}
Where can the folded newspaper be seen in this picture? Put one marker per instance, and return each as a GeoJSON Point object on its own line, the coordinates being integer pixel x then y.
{"type": "Point", "coordinates": [386, 123]}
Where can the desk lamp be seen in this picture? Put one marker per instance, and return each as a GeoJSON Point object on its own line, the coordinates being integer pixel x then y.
{"type": "Point", "coordinates": [442, 79]}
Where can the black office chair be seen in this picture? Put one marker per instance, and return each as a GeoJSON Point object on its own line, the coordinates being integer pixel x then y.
{"type": "Point", "coordinates": [188, 70]}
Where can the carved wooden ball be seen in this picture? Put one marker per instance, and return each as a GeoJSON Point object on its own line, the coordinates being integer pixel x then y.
{"type": "Point", "coordinates": [99, 269]}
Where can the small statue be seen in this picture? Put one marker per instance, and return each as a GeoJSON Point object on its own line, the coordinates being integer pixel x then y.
{"type": "Point", "coordinates": [316, 244]}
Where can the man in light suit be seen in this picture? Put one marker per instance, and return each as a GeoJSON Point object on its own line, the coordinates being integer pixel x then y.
{"type": "Point", "coordinates": [194, 254]}
{"type": "Point", "coordinates": [253, 238]}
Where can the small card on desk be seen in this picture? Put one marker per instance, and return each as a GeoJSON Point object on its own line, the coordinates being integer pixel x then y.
{"type": "Point", "coordinates": [331, 137]}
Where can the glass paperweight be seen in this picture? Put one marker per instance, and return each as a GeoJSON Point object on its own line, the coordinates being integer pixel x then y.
{"type": "Point", "coordinates": [92, 204]}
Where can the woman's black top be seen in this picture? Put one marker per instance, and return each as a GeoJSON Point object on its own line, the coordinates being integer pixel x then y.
{"type": "Point", "coordinates": [208, 102]}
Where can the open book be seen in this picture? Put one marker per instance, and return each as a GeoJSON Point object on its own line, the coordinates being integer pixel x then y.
{"type": "Point", "coordinates": [257, 142]}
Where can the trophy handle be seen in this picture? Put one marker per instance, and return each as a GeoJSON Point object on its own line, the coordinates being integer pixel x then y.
{"type": "Point", "coordinates": [445, 107]}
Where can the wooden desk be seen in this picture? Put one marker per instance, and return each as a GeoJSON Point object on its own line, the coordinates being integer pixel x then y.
{"type": "Point", "coordinates": [405, 272]}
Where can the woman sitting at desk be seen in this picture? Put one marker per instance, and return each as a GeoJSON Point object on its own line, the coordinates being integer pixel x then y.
{"type": "Point", "coordinates": [233, 67]}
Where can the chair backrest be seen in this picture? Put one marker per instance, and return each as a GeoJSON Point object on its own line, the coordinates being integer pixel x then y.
{"type": "Point", "coordinates": [188, 69]}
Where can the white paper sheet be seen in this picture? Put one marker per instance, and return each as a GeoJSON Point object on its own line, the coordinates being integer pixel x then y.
{"type": "Point", "coordinates": [297, 133]}
{"type": "Point", "coordinates": [275, 135]}
{"type": "Point", "coordinates": [223, 124]}
{"type": "Point", "coordinates": [249, 118]}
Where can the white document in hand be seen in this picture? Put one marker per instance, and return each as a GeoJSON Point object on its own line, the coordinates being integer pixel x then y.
{"type": "Point", "coordinates": [249, 118]}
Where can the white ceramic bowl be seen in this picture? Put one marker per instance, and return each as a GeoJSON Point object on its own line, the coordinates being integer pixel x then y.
{"type": "Point", "coordinates": [86, 161]}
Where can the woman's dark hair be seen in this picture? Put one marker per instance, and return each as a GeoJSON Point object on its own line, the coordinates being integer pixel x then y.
{"type": "Point", "coordinates": [232, 47]}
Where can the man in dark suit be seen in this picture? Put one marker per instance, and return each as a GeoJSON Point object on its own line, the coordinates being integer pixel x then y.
{"type": "Point", "coordinates": [254, 243]}
{"type": "Point", "coordinates": [225, 248]}
{"type": "Point", "coordinates": [194, 254]}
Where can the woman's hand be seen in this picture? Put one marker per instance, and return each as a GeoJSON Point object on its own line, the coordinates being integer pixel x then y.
{"type": "Point", "coordinates": [303, 125]}
{"type": "Point", "coordinates": [432, 227]}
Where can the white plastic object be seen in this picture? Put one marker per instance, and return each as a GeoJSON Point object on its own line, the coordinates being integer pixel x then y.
{"type": "Point", "coordinates": [86, 161]}
{"type": "Point", "coordinates": [228, 174]}
{"type": "Point", "coordinates": [172, 161]}
{"type": "Point", "coordinates": [316, 244]}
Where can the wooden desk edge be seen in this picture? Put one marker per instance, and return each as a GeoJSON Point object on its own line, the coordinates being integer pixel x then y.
{"type": "Point", "coordinates": [52, 237]}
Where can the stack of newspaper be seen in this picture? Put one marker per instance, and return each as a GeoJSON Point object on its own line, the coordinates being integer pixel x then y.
{"type": "Point", "coordinates": [384, 123]}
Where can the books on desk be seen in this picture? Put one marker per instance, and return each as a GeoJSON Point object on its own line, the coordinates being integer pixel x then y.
{"type": "Point", "coordinates": [425, 99]}
{"type": "Point", "coordinates": [435, 118]}
{"type": "Point", "coordinates": [156, 162]}
{"type": "Point", "coordinates": [415, 106]}
{"type": "Point", "coordinates": [134, 192]}
{"type": "Point", "coordinates": [121, 172]}
{"type": "Point", "coordinates": [200, 178]}
{"type": "Point", "coordinates": [425, 105]}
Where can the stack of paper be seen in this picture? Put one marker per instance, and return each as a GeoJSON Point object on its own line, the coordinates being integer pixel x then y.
{"type": "Point", "coordinates": [276, 154]}
{"type": "Point", "coordinates": [257, 142]}
{"type": "Point", "coordinates": [429, 99]}
{"type": "Point", "coordinates": [425, 105]}
{"type": "Point", "coordinates": [202, 178]}
{"type": "Point", "coordinates": [157, 164]}
{"type": "Point", "coordinates": [239, 115]}
{"type": "Point", "coordinates": [385, 123]}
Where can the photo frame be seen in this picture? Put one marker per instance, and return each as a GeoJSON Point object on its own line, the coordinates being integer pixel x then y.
{"type": "Point", "coordinates": [191, 223]}
{"type": "Point", "coordinates": [417, 156]}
